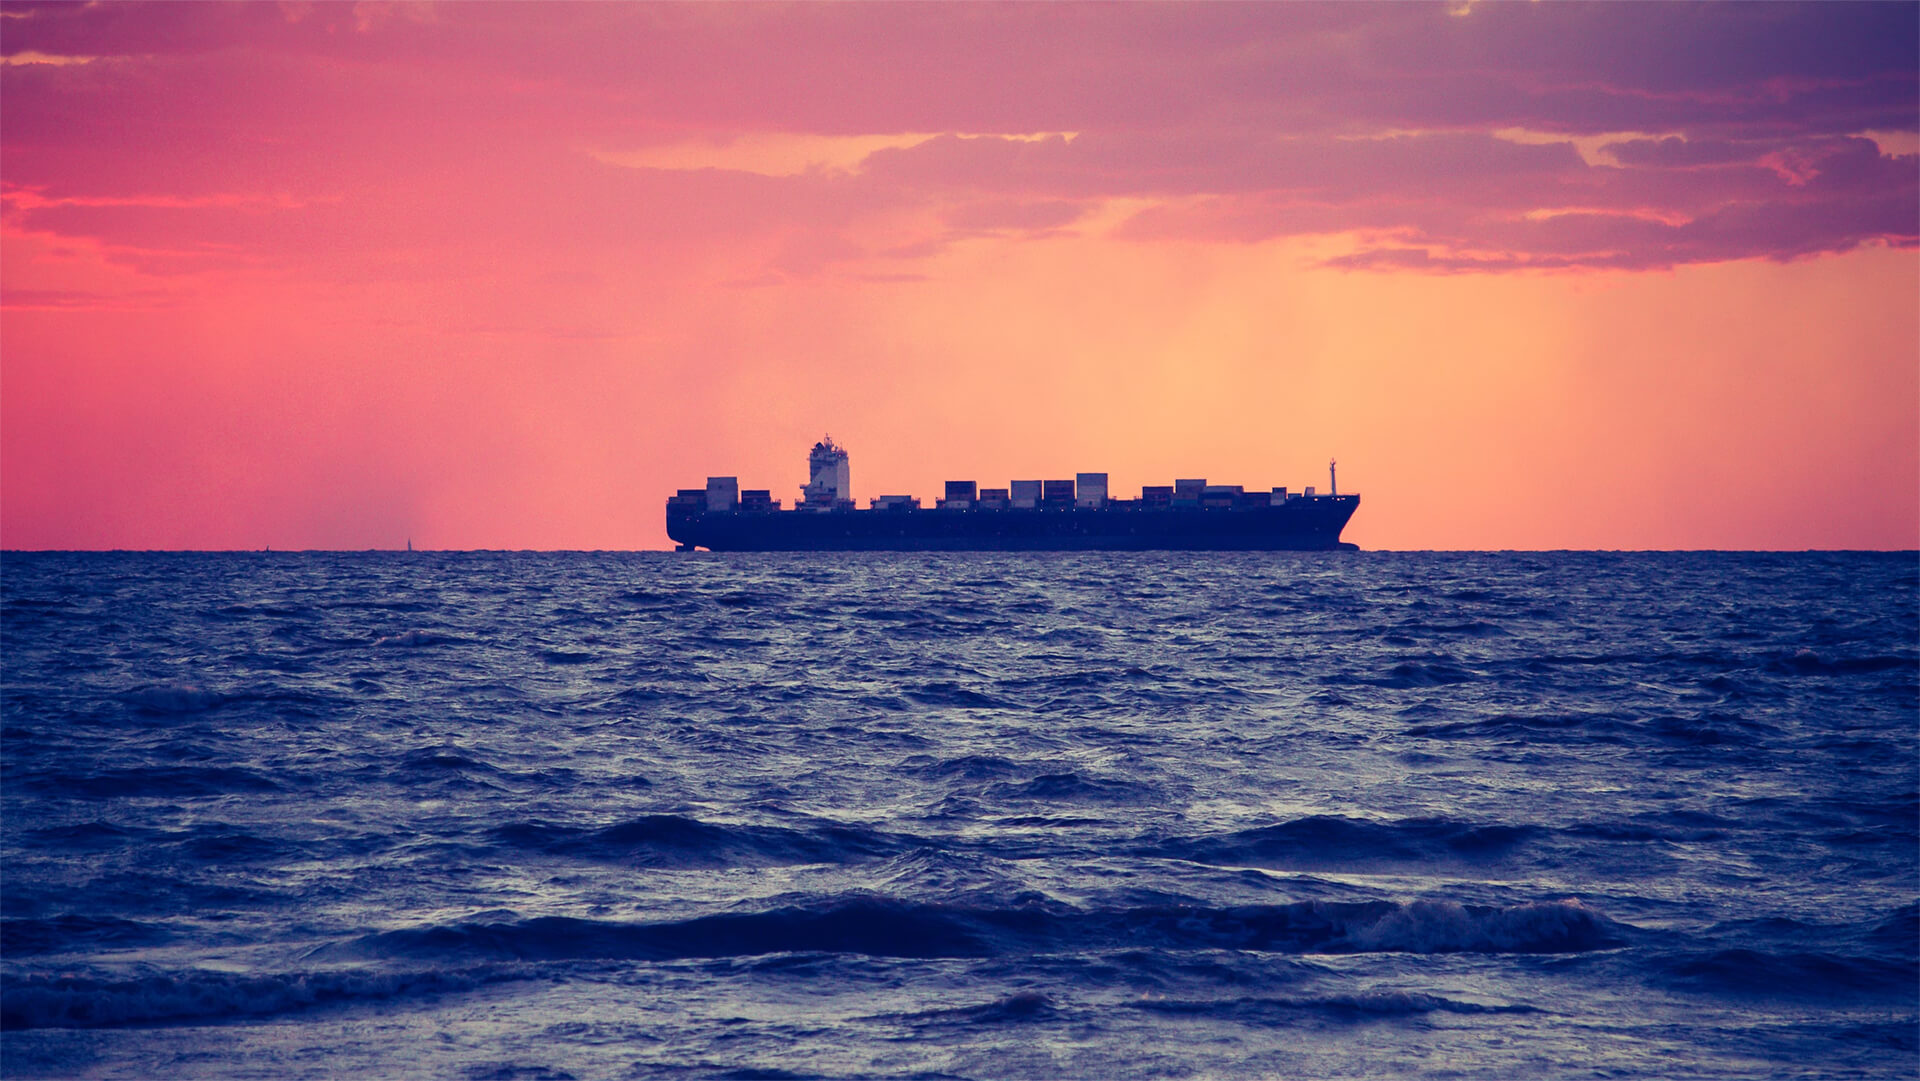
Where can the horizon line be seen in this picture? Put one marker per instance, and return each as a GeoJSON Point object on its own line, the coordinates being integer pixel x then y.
{"type": "Point", "coordinates": [1200, 551]}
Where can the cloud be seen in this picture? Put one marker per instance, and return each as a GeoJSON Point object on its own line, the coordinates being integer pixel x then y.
{"type": "Point", "coordinates": [738, 141]}
{"type": "Point", "coordinates": [86, 300]}
{"type": "Point", "coordinates": [768, 154]}
{"type": "Point", "coordinates": [1015, 214]}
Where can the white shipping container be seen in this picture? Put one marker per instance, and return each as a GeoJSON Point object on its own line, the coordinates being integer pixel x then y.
{"type": "Point", "coordinates": [723, 493]}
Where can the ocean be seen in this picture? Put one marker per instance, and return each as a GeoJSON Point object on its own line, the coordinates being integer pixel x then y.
{"type": "Point", "coordinates": [1162, 815]}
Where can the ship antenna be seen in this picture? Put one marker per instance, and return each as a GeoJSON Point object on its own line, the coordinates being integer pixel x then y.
{"type": "Point", "coordinates": [1333, 485]}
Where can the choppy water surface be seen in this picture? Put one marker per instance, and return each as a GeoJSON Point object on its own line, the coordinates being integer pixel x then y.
{"type": "Point", "coordinates": [1163, 815]}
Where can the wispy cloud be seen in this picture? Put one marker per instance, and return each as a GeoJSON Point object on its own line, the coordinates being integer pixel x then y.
{"type": "Point", "coordinates": [1232, 125]}
{"type": "Point", "coordinates": [83, 300]}
{"type": "Point", "coordinates": [778, 153]}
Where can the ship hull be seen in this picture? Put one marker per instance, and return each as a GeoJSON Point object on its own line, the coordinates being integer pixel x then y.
{"type": "Point", "coordinates": [1311, 523]}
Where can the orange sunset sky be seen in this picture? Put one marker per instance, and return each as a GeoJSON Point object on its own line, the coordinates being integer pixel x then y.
{"type": "Point", "coordinates": [503, 276]}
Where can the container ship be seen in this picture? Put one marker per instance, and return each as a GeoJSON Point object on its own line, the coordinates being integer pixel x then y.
{"type": "Point", "coordinates": [1027, 515]}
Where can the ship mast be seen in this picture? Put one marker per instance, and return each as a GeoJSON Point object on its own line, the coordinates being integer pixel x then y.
{"type": "Point", "coordinates": [1333, 486]}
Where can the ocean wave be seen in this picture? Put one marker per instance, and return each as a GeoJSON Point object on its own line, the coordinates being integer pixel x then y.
{"type": "Point", "coordinates": [412, 639]}
{"type": "Point", "coordinates": [160, 891]}
{"type": "Point", "coordinates": [679, 841]}
{"type": "Point", "coordinates": [280, 611]}
{"type": "Point", "coordinates": [1083, 679]}
{"type": "Point", "coordinates": [972, 767]}
{"type": "Point", "coordinates": [184, 701]}
{"type": "Point", "coordinates": [1706, 729]}
{"type": "Point", "coordinates": [1813, 975]}
{"type": "Point", "coordinates": [153, 781]}
{"type": "Point", "coordinates": [451, 763]}
{"type": "Point", "coordinates": [649, 598]}
{"type": "Point", "coordinates": [948, 694]}
{"type": "Point", "coordinates": [883, 927]}
{"type": "Point", "coordinates": [1525, 728]}
{"type": "Point", "coordinates": [1809, 662]}
{"type": "Point", "coordinates": [1643, 831]}
{"type": "Point", "coordinates": [72, 932]}
{"type": "Point", "coordinates": [932, 872]}
{"type": "Point", "coordinates": [444, 758]}
{"type": "Point", "coordinates": [1358, 1006]}
{"type": "Point", "coordinates": [1475, 628]}
{"type": "Point", "coordinates": [1709, 729]}
{"type": "Point", "coordinates": [167, 698]}
{"type": "Point", "coordinates": [1899, 932]}
{"type": "Point", "coordinates": [1447, 927]}
{"type": "Point", "coordinates": [631, 698]}
{"type": "Point", "coordinates": [380, 605]}
{"type": "Point", "coordinates": [86, 836]}
{"type": "Point", "coordinates": [39, 1000]}
{"type": "Point", "coordinates": [1021, 1007]}
{"type": "Point", "coordinates": [885, 614]}
{"type": "Point", "coordinates": [746, 599]}
{"type": "Point", "coordinates": [1893, 937]}
{"type": "Point", "coordinates": [217, 843]}
{"type": "Point", "coordinates": [1330, 840]}
{"type": "Point", "coordinates": [1071, 788]}
{"type": "Point", "coordinates": [1408, 675]}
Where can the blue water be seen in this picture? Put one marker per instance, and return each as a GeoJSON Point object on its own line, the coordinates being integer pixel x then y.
{"type": "Point", "coordinates": [963, 816]}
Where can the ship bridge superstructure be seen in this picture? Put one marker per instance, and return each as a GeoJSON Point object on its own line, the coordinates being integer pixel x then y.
{"type": "Point", "coordinates": [829, 477]}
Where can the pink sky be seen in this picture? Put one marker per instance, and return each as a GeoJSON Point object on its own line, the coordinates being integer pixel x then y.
{"type": "Point", "coordinates": [502, 276]}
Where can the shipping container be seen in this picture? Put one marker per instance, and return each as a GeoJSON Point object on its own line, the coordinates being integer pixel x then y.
{"type": "Point", "coordinates": [1219, 495]}
{"type": "Point", "coordinates": [1090, 489]}
{"type": "Point", "coordinates": [723, 493]}
{"type": "Point", "coordinates": [1026, 494]}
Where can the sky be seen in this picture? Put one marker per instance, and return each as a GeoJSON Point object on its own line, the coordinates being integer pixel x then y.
{"type": "Point", "coordinates": [475, 275]}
